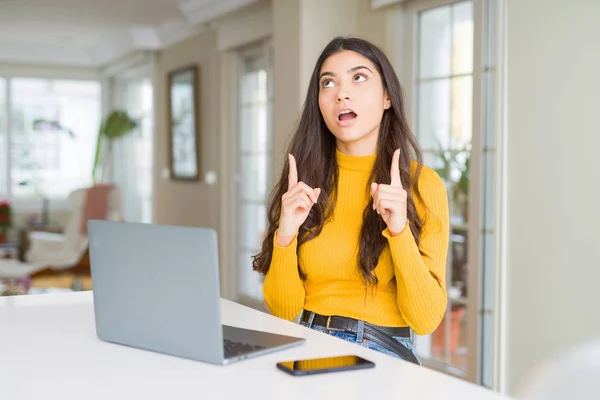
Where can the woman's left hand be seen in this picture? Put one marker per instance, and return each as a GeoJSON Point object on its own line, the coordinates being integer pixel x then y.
{"type": "Point", "coordinates": [390, 200]}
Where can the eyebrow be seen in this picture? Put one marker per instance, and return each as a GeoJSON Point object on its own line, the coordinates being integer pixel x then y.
{"type": "Point", "coordinates": [353, 69]}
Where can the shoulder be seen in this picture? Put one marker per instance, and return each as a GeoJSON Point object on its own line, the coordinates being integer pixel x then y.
{"type": "Point", "coordinates": [429, 181]}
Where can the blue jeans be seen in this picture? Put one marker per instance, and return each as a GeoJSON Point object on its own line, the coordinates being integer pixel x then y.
{"type": "Point", "coordinates": [352, 337]}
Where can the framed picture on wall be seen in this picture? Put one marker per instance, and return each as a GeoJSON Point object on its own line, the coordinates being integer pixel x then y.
{"type": "Point", "coordinates": [183, 123]}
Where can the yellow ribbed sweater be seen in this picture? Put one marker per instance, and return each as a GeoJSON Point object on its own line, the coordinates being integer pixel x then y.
{"type": "Point", "coordinates": [333, 284]}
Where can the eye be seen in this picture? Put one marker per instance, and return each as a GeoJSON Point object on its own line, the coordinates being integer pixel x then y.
{"type": "Point", "coordinates": [327, 83]}
{"type": "Point", "coordinates": [359, 78]}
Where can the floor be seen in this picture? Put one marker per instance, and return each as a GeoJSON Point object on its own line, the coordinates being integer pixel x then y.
{"type": "Point", "coordinates": [60, 282]}
{"type": "Point", "coordinates": [46, 284]}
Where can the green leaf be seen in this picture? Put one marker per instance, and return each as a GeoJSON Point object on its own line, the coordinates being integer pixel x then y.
{"type": "Point", "coordinates": [97, 153]}
{"type": "Point", "coordinates": [116, 125]}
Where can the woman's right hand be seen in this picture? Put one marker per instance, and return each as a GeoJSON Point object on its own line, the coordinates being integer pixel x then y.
{"type": "Point", "coordinates": [295, 205]}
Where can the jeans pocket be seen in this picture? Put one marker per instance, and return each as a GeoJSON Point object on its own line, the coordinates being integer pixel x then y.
{"type": "Point", "coordinates": [321, 329]}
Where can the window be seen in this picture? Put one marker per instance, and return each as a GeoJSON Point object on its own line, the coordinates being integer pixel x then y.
{"type": "Point", "coordinates": [52, 136]}
{"type": "Point", "coordinates": [444, 111]}
{"type": "Point", "coordinates": [452, 87]}
{"type": "Point", "coordinates": [133, 158]}
{"type": "Point", "coordinates": [254, 149]}
{"type": "Point", "coordinates": [3, 137]}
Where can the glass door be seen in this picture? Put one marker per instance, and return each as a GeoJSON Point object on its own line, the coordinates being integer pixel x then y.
{"type": "Point", "coordinates": [253, 160]}
{"type": "Point", "coordinates": [133, 154]}
{"type": "Point", "coordinates": [452, 89]}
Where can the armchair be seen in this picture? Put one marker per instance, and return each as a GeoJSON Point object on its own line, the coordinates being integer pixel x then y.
{"type": "Point", "coordinates": [63, 251]}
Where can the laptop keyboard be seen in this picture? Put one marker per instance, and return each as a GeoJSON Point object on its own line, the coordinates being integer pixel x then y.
{"type": "Point", "coordinates": [233, 349]}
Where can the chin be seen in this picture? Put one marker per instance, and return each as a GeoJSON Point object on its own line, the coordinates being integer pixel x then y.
{"type": "Point", "coordinates": [350, 134]}
{"type": "Point", "coordinates": [346, 134]}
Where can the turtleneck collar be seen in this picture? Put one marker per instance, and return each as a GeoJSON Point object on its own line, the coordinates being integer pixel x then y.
{"type": "Point", "coordinates": [356, 163]}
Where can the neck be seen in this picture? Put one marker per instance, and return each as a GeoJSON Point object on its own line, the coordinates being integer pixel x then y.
{"type": "Point", "coordinates": [365, 146]}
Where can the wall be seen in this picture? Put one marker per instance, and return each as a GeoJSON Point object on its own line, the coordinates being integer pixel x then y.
{"type": "Point", "coordinates": [188, 203]}
{"type": "Point", "coordinates": [374, 25]}
{"type": "Point", "coordinates": [286, 88]}
{"type": "Point", "coordinates": [48, 71]}
{"type": "Point", "coordinates": [553, 180]}
{"type": "Point", "coordinates": [250, 24]}
{"type": "Point", "coordinates": [319, 23]}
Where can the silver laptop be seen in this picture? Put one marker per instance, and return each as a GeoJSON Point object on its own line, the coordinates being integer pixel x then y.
{"type": "Point", "coordinates": [156, 287]}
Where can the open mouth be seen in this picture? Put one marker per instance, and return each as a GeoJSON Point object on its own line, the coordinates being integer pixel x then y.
{"type": "Point", "coordinates": [346, 115]}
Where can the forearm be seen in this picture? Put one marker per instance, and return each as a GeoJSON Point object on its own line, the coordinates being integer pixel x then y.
{"type": "Point", "coordinates": [421, 290]}
{"type": "Point", "coordinates": [283, 288]}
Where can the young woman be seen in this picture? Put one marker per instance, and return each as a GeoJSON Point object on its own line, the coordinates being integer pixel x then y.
{"type": "Point", "coordinates": [358, 227]}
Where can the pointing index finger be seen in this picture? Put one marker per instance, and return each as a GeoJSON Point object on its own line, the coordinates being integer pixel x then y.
{"type": "Point", "coordinates": [395, 169]}
{"type": "Point", "coordinates": [293, 172]}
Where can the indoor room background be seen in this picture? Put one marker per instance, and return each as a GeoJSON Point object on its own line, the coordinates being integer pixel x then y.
{"type": "Point", "coordinates": [501, 94]}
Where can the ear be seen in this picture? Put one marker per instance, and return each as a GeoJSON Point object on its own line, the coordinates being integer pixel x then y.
{"type": "Point", "coordinates": [387, 103]}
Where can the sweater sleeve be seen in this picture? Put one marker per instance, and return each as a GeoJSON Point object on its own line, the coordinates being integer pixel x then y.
{"type": "Point", "coordinates": [283, 288]}
{"type": "Point", "coordinates": [421, 279]}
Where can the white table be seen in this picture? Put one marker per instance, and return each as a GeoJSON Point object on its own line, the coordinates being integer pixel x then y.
{"type": "Point", "coordinates": [49, 350]}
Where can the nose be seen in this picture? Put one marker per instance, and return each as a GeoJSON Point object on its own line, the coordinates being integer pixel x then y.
{"type": "Point", "coordinates": [342, 95]}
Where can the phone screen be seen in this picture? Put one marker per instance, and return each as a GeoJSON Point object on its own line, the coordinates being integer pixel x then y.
{"type": "Point", "coordinates": [323, 365]}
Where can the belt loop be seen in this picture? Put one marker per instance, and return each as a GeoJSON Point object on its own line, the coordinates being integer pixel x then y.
{"type": "Point", "coordinates": [311, 318]}
{"type": "Point", "coordinates": [359, 331]}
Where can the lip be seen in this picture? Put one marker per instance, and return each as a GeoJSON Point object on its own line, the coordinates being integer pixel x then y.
{"type": "Point", "coordinates": [345, 122]}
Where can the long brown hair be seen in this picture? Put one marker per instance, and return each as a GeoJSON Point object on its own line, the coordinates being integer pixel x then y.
{"type": "Point", "coordinates": [313, 146]}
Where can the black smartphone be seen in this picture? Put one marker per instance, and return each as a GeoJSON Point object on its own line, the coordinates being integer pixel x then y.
{"type": "Point", "coordinates": [324, 365]}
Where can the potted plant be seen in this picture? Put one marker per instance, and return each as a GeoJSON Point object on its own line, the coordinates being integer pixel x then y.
{"type": "Point", "coordinates": [5, 219]}
{"type": "Point", "coordinates": [455, 172]}
{"type": "Point", "coordinates": [116, 125]}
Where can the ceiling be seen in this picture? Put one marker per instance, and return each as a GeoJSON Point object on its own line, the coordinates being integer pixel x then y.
{"type": "Point", "coordinates": [94, 32]}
